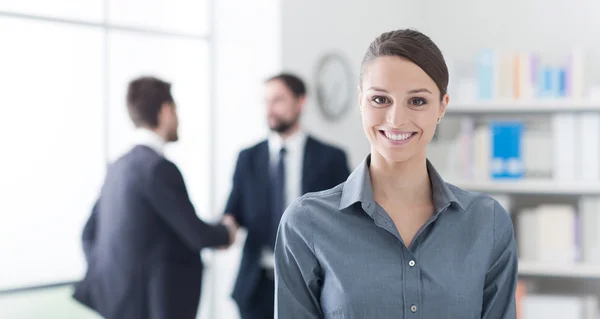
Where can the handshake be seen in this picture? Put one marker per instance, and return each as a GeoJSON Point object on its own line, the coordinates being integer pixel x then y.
{"type": "Point", "coordinates": [232, 226]}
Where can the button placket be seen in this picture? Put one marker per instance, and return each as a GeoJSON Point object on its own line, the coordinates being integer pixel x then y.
{"type": "Point", "coordinates": [413, 283]}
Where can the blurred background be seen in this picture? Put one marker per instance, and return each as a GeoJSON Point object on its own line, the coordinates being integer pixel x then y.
{"type": "Point", "coordinates": [523, 122]}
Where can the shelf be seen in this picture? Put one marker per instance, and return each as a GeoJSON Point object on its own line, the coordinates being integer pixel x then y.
{"type": "Point", "coordinates": [525, 186]}
{"type": "Point", "coordinates": [521, 107]}
{"type": "Point", "coordinates": [534, 269]}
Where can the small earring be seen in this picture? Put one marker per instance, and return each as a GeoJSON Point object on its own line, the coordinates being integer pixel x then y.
{"type": "Point", "coordinates": [439, 120]}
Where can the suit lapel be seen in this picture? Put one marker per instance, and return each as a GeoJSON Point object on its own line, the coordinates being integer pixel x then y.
{"type": "Point", "coordinates": [261, 171]}
{"type": "Point", "coordinates": [308, 164]}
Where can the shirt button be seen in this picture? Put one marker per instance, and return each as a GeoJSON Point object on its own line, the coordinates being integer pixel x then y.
{"type": "Point", "coordinates": [411, 263]}
{"type": "Point", "coordinates": [413, 308]}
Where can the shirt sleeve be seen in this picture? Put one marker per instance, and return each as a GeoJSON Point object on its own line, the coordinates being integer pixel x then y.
{"type": "Point", "coordinates": [234, 204]}
{"type": "Point", "coordinates": [297, 271]}
{"type": "Point", "coordinates": [168, 195]}
{"type": "Point", "coordinates": [88, 236]}
{"type": "Point", "coordinates": [501, 279]}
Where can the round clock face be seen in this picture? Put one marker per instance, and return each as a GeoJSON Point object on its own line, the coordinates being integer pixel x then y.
{"type": "Point", "coordinates": [334, 86]}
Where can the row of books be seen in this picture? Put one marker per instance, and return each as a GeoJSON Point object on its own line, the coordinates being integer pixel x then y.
{"type": "Point", "coordinates": [568, 150]}
{"type": "Point", "coordinates": [529, 75]}
{"type": "Point", "coordinates": [535, 305]}
{"type": "Point", "coordinates": [560, 233]}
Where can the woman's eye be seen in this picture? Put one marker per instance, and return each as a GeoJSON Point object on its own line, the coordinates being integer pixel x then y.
{"type": "Point", "coordinates": [418, 101]}
{"type": "Point", "coordinates": [380, 99]}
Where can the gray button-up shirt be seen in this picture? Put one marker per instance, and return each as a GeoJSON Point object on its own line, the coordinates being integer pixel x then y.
{"type": "Point", "coordinates": [339, 255]}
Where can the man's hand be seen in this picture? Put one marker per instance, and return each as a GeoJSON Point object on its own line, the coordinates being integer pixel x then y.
{"type": "Point", "coordinates": [232, 226]}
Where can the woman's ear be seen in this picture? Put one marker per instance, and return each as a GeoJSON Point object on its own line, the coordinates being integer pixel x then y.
{"type": "Point", "coordinates": [444, 105]}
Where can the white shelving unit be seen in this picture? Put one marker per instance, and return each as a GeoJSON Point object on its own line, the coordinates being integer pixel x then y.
{"type": "Point", "coordinates": [526, 186]}
{"type": "Point", "coordinates": [531, 186]}
{"type": "Point", "coordinates": [521, 107]}
{"type": "Point", "coordinates": [559, 270]}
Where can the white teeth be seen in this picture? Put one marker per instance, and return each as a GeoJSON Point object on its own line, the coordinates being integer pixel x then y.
{"type": "Point", "coordinates": [398, 137]}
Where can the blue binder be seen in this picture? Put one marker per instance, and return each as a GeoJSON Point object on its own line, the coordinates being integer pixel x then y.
{"type": "Point", "coordinates": [507, 159]}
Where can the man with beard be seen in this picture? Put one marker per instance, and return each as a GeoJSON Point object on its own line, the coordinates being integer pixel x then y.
{"type": "Point", "coordinates": [143, 238]}
{"type": "Point", "coordinates": [268, 177]}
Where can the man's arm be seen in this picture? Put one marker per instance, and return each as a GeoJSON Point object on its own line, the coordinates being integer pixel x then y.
{"type": "Point", "coordinates": [234, 206]}
{"type": "Point", "coordinates": [501, 280]}
{"type": "Point", "coordinates": [88, 236]}
{"type": "Point", "coordinates": [168, 195]}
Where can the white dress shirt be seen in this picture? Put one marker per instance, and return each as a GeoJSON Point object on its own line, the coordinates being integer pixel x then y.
{"type": "Point", "coordinates": [294, 159]}
{"type": "Point", "coordinates": [146, 137]}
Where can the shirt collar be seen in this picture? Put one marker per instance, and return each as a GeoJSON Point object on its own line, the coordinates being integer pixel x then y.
{"type": "Point", "coordinates": [293, 143]}
{"type": "Point", "coordinates": [358, 188]}
{"type": "Point", "coordinates": [150, 139]}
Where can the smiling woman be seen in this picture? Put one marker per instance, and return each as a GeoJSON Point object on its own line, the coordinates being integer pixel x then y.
{"type": "Point", "coordinates": [420, 248]}
{"type": "Point", "coordinates": [402, 94]}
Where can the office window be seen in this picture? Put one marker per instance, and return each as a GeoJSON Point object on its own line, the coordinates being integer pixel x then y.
{"type": "Point", "coordinates": [64, 76]}
{"type": "Point", "coordinates": [52, 149]}
{"type": "Point", "coordinates": [181, 16]}
{"type": "Point", "coordinates": [81, 10]}
{"type": "Point", "coordinates": [184, 63]}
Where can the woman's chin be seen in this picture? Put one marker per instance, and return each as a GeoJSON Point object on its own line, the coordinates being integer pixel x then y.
{"type": "Point", "coordinates": [394, 155]}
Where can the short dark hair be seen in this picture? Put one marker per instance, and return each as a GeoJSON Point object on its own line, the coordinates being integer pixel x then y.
{"type": "Point", "coordinates": [145, 97]}
{"type": "Point", "coordinates": [293, 82]}
{"type": "Point", "coordinates": [415, 47]}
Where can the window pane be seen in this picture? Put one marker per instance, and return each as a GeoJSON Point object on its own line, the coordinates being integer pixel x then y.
{"type": "Point", "coordinates": [85, 10]}
{"type": "Point", "coordinates": [184, 63]}
{"type": "Point", "coordinates": [53, 157]}
{"type": "Point", "coordinates": [187, 16]}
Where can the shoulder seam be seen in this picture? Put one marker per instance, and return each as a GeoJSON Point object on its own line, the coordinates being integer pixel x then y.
{"type": "Point", "coordinates": [329, 191]}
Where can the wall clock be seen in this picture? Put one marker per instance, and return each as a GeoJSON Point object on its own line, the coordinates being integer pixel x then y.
{"type": "Point", "coordinates": [335, 88]}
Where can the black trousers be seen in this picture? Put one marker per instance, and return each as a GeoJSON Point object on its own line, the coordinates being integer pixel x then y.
{"type": "Point", "coordinates": [262, 305]}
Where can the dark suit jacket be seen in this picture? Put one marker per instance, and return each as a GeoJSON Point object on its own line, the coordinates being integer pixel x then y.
{"type": "Point", "coordinates": [142, 243]}
{"type": "Point", "coordinates": [324, 167]}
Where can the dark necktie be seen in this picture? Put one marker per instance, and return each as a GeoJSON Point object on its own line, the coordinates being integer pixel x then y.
{"type": "Point", "coordinates": [277, 193]}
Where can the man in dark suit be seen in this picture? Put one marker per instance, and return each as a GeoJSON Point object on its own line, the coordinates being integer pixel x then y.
{"type": "Point", "coordinates": [143, 238]}
{"type": "Point", "coordinates": [267, 178]}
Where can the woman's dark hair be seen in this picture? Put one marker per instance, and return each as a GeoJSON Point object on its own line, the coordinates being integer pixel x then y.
{"type": "Point", "coordinates": [415, 47]}
{"type": "Point", "coordinates": [145, 97]}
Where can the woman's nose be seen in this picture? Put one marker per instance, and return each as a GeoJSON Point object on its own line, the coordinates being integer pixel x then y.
{"type": "Point", "coordinates": [395, 115]}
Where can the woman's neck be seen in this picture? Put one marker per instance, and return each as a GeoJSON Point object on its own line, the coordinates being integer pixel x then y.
{"type": "Point", "coordinates": [404, 182]}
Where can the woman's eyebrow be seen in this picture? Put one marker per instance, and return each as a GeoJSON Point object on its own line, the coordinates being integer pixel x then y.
{"type": "Point", "coordinates": [419, 91]}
